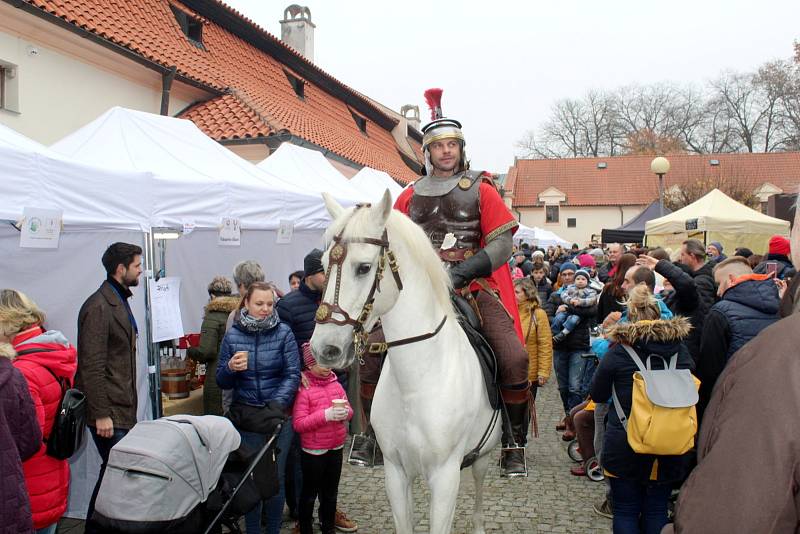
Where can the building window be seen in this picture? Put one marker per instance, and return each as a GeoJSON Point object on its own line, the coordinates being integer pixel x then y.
{"type": "Point", "coordinates": [361, 122]}
{"type": "Point", "coordinates": [551, 214]}
{"type": "Point", "coordinates": [298, 85]}
{"type": "Point", "coordinates": [765, 208]}
{"type": "Point", "coordinates": [9, 87]}
{"type": "Point", "coordinates": [571, 222]}
{"type": "Point", "coordinates": [2, 87]}
{"type": "Point", "coordinates": [191, 27]}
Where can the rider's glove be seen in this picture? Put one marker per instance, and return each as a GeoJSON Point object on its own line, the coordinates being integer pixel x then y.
{"type": "Point", "coordinates": [478, 266]}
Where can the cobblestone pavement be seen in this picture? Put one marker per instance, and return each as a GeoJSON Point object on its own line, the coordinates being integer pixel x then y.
{"type": "Point", "coordinates": [549, 500]}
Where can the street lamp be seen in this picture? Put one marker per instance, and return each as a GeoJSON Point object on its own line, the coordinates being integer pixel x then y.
{"type": "Point", "coordinates": [660, 166]}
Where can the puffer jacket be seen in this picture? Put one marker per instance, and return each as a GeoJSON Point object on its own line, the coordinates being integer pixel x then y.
{"type": "Point", "coordinates": [46, 478]}
{"type": "Point", "coordinates": [297, 309]}
{"type": "Point", "coordinates": [211, 333]}
{"type": "Point", "coordinates": [538, 340]}
{"type": "Point", "coordinates": [661, 337]}
{"type": "Point", "coordinates": [20, 438]}
{"type": "Point", "coordinates": [785, 268]}
{"type": "Point", "coordinates": [273, 365]}
{"type": "Point", "coordinates": [309, 413]}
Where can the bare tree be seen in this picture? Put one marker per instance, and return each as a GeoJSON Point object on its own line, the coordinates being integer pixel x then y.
{"type": "Point", "coordinates": [731, 181]}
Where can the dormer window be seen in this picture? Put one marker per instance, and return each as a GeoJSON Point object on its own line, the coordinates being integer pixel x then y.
{"type": "Point", "coordinates": [191, 27]}
{"type": "Point", "coordinates": [298, 85]}
{"type": "Point", "coordinates": [361, 122]}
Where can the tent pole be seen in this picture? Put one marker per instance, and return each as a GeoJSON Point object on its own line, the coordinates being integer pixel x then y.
{"type": "Point", "coordinates": [153, 359]}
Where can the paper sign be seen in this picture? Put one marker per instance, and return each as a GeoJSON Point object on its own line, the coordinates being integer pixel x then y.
{"type": "Point", "coordinates": [230, 234]}
{"type": "Point", "coordinates": [285, 230]}
{"type": "Point", "coordinates": [188, 227]}
{"type": "Point", "coordinates": [165, 308]}
{"type": "Point", "coordinates": [41, 228]}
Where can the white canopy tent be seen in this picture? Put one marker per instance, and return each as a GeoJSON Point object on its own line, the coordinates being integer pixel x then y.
{"type": "Point", "coordinates": [198, 181]}
{"type": "Point", "coordinates": [59, 280]}
{"type": "Point", "coordinates": [716, 217]}
{"type": "Point", "coordinates": [373, 183]}
{"type": "Point", "coordinates": [310, 170]}
{"type": "Point", "coordinates": [538, 237]}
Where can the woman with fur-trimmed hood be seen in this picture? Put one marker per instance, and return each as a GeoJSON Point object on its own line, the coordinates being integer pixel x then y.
{"type": "Point", "coordinates": [640, 484]}
{"type": "Point", "coordinates": [220, 305]}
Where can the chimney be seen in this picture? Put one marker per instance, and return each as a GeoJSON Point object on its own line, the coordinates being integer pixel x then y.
{"type": "Point", "coordinates": [297, 30]}
{"type": "Point", "coordinates": [411, 114]}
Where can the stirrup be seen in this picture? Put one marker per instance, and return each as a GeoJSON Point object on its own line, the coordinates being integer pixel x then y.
{"type": "Point", "coordinates": [360, 461]}
{"type": "Point", "coordinates": [508, 449]}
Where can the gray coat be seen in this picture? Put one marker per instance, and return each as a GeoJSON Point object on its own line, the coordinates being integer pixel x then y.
{"type": "Point", "coordinates": [107, 358]}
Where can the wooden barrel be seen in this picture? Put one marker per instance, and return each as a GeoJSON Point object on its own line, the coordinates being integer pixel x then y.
{"type": "Point", "coordinates": [175, 383]}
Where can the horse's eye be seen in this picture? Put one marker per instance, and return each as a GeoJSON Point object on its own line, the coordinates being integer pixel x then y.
{"type": "Point", "coordinates": [363, 269]}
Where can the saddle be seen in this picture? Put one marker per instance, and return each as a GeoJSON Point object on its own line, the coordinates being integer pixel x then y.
{"type": "Point", "coordinates": [471, 324]}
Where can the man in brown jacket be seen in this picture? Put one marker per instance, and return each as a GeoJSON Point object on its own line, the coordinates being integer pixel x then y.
{"type": "Point", "coordinates": [107, 334]}
{"type": "Point", "coordinates": [748, 455]}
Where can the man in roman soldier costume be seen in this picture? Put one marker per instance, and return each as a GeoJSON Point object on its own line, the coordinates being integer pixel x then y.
{"type": "Point", "coordinates": [471, 228]}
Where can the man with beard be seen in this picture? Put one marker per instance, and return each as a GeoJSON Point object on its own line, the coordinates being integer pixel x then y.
{"type": "Point", "coordinates": [107, 333]}
{"type": "Point", "coordinates": [471, 229]}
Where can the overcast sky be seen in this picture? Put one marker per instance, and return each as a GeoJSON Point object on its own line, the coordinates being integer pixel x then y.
{"type": "Point", "coordinates": [502, 65]}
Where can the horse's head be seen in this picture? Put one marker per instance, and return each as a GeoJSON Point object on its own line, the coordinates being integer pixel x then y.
{"type": "Point", "coordinates": [362, 283]}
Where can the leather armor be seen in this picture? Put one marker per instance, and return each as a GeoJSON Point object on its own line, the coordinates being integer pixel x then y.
{"type": "Point", "coordinates": [456, 212]}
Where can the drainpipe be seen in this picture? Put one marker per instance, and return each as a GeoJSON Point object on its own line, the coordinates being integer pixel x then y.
{"type": "Point", "coordinates": [166, 85]}
{"type": "Point", "coordinates": [621, 216]}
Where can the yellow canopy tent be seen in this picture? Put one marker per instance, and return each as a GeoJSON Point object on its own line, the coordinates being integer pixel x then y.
{"type": "Point", "coordinates": [716, 217]}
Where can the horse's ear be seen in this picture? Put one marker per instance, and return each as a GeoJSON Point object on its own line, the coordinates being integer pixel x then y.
{"type": "Point", "coordinates": [384, 207]}
{"type": "Point", "coordinates": [334, 208]}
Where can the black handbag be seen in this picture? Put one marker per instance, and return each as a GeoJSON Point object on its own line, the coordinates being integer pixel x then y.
{"type": "Point", "coordinates": [260, 419]}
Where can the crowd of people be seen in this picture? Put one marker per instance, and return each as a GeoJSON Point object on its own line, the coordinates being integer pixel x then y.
{"type": "Point", "coordinates": [580, 311]}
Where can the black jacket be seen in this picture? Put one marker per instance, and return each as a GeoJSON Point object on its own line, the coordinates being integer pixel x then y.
{"type": "Point", "coordinates": [297, 309]}
{"type": "Point", "coordinates": [662, 337]}
{"type": "Point", "coordinates": [745, 310]}
{"type": "Point", "coordinates": [608, 303]}
{"type": "Point", "coordinates": [578, 339]}
{"type": "Point", "coordinates": [545, 289]}
{"type": "Point", "coordinates": [706, 297]}
{"type": "Point", "coordinates": [785, 267]}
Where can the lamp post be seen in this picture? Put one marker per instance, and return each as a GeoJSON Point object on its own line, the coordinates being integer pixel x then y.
{"type": "Point", "coordinates": [660, 167]}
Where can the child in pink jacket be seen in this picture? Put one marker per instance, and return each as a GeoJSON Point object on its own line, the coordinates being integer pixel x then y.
{"type": "Point", "coordinates": [322, 430]}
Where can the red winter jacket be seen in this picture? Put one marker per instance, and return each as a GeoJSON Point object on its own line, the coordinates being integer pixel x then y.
{"type": "Point", "coordinates": [46, 478]}
{"type": "Point", "coordinates": [309, 413]}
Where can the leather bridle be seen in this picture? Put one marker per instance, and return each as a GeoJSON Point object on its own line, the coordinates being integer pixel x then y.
{"type": "Point", "coordinates": [325, 312]}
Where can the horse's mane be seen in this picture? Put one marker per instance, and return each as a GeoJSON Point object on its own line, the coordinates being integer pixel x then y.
{"type": "Point", "coordinates": [401, 229]}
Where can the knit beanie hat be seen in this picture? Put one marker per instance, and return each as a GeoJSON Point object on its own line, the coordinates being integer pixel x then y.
{"type": "Point", "coordinates": [567, 266]}
{"type": "Point", "coordinates": [717, 245]}
{"type": "Point", "coordinates": [779, 245]}
{"type": "Point", "coordinates": [308, 358]}
{"type": "Point", "coordinates": [312, 263]}
{"type": "Point", "coordinates": [586, 260]}
{"type": "Point", "coordinates": [584, 274]}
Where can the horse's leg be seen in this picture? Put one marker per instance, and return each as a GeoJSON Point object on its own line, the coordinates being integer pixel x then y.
{"type": "Point", "coordinates": [479, 469]}
{"type": "Point", "coordinates": [398, 489]}
{"type": "Point", "coordinates": [443, 483]}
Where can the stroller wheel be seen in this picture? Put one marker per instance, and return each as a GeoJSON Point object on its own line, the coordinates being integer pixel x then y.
{"type": "Point", "coordinates": [573, 452]}
{"type": "Point", "coordinates": [593, 470]}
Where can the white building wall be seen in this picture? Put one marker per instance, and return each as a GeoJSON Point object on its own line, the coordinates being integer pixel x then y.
{"type": "Point", "coordinates": [66, 81]}
{"type": "Point", "coordinates": [589, 220]}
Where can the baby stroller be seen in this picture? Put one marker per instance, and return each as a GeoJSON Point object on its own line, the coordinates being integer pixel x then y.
{"type": "Point", "coordinates": [182, 474]}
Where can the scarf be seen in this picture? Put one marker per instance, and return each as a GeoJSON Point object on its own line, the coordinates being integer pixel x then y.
{"type": "Point", "coordinates": [252, 325]}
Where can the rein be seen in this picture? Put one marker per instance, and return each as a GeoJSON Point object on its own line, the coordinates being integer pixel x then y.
{"type": "Point", "coordinates": [325, 312]}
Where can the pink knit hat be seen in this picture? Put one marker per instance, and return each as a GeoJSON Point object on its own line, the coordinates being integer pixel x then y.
{"type": "Point", "coordinates": [308, 358]}
{"type": "Point", "coordinates": [586, 260]}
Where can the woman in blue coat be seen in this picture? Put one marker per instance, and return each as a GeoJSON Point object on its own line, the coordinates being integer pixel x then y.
{"type": "Point", "coordinates": [259, 361]}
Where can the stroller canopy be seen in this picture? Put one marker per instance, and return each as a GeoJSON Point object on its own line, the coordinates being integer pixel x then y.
{"type": "Point", "coordinates": [162, 469]}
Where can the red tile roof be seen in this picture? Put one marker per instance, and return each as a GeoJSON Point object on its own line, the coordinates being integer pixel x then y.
{"type": "Point", "coordinates": [259, 98]}
{"type": "Point", "coordinates": [627, 180]}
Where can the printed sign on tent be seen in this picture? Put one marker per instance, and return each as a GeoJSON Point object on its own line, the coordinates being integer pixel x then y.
{"type": "Point", "coordinates": [41, 228]}
{"type": "Point", "coordinates": [165, 311]}
{"type": "Point", "coordinates": [230, 232]}
{"type": "Point", "coordinates": [285, 230]}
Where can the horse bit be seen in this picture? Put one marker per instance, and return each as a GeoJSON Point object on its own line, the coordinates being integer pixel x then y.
{"type": "Point", "coordinates": [326, 310]}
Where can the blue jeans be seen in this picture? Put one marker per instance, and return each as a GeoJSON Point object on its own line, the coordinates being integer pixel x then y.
{"type": "Point", "coordinates": [639, 507]}
{"type": "Point", "coordinates": [48, 530]}
{"type": "Point", "coordinates": [104, 446]}
{"type": "Point", "coordinates": [569, 374]}
{"type": "Point", "coordinates": [565, 321]}
{"type": "Point", "coordinates": [274, 505]}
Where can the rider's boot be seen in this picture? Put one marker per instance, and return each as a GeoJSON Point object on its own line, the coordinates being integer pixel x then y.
{"type": "Point", "coordinates": [365, 451]}
{"type": "Point", "coordinates": [513, 460]}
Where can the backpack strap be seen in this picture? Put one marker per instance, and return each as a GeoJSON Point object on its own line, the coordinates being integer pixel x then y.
{"type": "Point", "coordinates": [618, 408]}
{"type": "Point", "coordinates": [634, 357]}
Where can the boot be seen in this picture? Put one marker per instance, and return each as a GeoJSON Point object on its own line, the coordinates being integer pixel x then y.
{"type": "Point", "coordinates": [513, 460]}
{"type": "Point", "coordinates": [365, 451]}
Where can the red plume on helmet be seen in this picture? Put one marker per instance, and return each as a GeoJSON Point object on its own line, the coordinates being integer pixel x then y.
{"type": "Point", "coordinates": [433, 97]}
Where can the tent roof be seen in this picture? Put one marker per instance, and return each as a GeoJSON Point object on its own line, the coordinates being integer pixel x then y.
{"type": "Point", "coordinates": [37, 177]}
{"type": "Point", "coordinates": [716, 211]}
{"type": "Point", "coordinates": [542, 237]}
{"type": "Point", "coordinates": [373, 183]}
{"type": "Point", "coordinates": [311, 171]}
{"type": "Point", "coordinates": [633, 230]}
{"type": "Point", "coordinates": [195, 179]}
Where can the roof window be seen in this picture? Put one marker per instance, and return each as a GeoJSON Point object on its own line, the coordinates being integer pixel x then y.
{"type": "Point", "coordinates": [361, 122]}
{"type": "Point", "coordinates": [298, 85]}
{"type": "Point", "coordinates": [713, 162]}
{"type": "Point", "coordinates": [602, 165]}
{"type": "Point", "coordinates": [192, 27]}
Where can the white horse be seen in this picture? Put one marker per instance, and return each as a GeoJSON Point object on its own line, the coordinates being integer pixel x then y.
{"type": "Point", "coordinates": [431, 407]}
